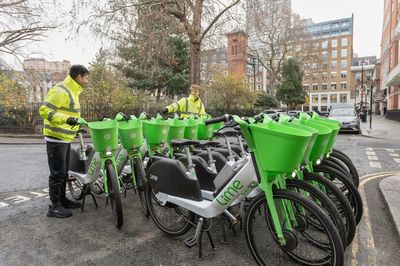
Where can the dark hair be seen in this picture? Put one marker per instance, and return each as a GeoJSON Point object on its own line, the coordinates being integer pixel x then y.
{"type": "Point", "coordinates": [77, 70]}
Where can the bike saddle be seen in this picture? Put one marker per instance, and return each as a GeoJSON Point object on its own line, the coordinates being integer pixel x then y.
{"type": "Point", "coordinates": [208, 143]}
{"type": "Point", "coordinates": [184, 142]}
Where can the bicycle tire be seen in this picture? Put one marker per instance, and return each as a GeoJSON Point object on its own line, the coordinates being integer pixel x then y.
{"type": "Point", "coordinates": [337, 254]}
{"type": "Point", "coordinates": [140, 180]}
{"type": "Point", "coordinates": [77, 191]}
{"type": "Point", "coordinates": [339, 199]}
{"type": "Point", "coordinates": [325, 203]}
{"type": "Point", "coordinates": [352, 194]}
{"type": "Point", "coordinates": [337, 167]}
{"type": "Point", "coordinates": [113, 194]}
{"type": "Point", "coordinates": [181, 223]}
{"type": "Point", "coordinates": [347, 161]}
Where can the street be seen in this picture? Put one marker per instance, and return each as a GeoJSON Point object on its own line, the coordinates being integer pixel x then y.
{"type": "Point", "coordinates": [27, 236]}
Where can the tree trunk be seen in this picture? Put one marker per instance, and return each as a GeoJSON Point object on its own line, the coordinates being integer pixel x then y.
{"type": "Point", "coordinates": [195, 49]}
{"type": "Point", "coordinates": [158, 95]}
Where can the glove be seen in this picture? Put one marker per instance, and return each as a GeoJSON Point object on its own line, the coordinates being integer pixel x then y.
{"type": "Point", "coordinates": [72, 121]}
{"type": "Point", "coordinates": [165, 111]}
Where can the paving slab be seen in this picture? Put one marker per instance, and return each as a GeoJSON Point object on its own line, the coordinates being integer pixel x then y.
{"type": "Point", "coordinates": [390, 189]}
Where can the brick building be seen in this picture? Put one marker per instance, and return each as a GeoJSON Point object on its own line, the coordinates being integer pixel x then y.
{"type": "Point", "coordinates": [362, 71]}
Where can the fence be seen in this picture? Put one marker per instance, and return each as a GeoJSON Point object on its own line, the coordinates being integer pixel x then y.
{"type": "Point", "coordinates": [393, 115]}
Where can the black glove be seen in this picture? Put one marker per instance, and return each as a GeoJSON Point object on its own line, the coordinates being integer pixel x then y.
{"type": "Point", "coordinates": [165, 110]}
{"type": "Point", "coordinates": [72, 121]}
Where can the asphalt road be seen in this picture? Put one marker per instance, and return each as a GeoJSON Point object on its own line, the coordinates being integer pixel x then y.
{"type": "Point", "coordinates": [27, 236]}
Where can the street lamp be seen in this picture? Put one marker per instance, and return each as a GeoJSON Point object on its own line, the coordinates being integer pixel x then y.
{"type": "Point", "coordinates": [362, 83]}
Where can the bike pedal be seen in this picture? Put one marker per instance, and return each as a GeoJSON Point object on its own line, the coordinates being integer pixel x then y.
{"type": "Point", "coordinates": [190, 242]}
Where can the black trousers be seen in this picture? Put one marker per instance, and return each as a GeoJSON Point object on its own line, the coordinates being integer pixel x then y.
{"type": "Point", "coordinates": [58, 159]}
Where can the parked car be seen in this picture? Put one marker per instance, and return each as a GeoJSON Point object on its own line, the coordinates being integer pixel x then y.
{"type": "Point", "coordinates": [348, 117]}
{"type": "Point", "coordinates": [273, 113]}
{"type": "Point", "coordinates": [342, 106]}
{"type": "Point", "coordinates": [324, 113]}
{"type": "Point", "coordinates": [292, 112]}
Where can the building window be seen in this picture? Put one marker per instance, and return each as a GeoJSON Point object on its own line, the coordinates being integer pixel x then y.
{"type": "Point", "coordinates": [369, 76]}
{"type": "Point", "coordinates": [315, 87]}
{"type": "Point", "coordinates": [335, 26]}
{"type": "Point", "coordinates": [324, 76]}
{"type": "Point", "coordinates": [333, 64]}
{"type": "Point", "coordinates": [325, 55]}
{"type": "Point", "coordinates": [343, 74]}
{"type": "Point", "coordinates": [258, 79]}
{"type": "Point", "coordinates": [333, 98]}
{"type": "Point", "coordinates": [334, 54]}
{"type": "Point", "coordinates": [334, 43]}
{"type": "Point", "coordinates": [343, 85]}
{"type": "Point", "coordinates": [315, 66]}
{"type": "Point", "coordinates": [324, 66]}
{"type": "Point", "coordinates": [344, 42]}
{"type": "Point", "coordinates": [251, 79]}
{"type": "Point", "coordinates": [324, 87]}
{"type": "Point", "coordinates": [258, 87]}
{"type": "Point", "coordinates": [324, 44]}
{"type": "Point", "coordinates": [305, 87]}
{"type": "Point", "coordinates": [314, 77]}
{"type": "Point", "coordinates": [358, 76]}
{"type": "Point", "coordinates": [306, 67]}
{"type": "Point", "coordinates": [333, 86]}
{"type": "Point", "coordinates": [344, 53]}
{"type": "Point", "coordinates": [315, 99]}
{"type": "Point", "coordinates": [324, 98]}
{"type": "Point", "coordinates": [344, 64]}
{"type": "Point", "coordinates": [324, 108]}
{"type": "Point", "coordinates": [345, 24]}
{"type": "Point", "coordinates": [343, 98]}
{"type": "Point", "coordinates": [333, 75]}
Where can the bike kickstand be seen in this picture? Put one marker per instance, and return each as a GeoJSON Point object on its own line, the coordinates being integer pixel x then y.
{"type": "Point", "coordinates": [223, 230]}
{"type": "Point", "coordinates": [94, 199]}
{"type": "Point", "coordinates": [211, 240]}
{"type": "Point", "coordinates": [84, 198]}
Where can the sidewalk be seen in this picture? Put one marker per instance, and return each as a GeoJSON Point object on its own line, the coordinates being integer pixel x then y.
{"type": "Point", "coordinates": [390, 189]}
{"type": "Point", "coordinates": [381, 128]}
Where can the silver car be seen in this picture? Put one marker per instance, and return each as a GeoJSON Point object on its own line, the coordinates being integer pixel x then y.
{"type": "Point", "coordinates": [349, 119]}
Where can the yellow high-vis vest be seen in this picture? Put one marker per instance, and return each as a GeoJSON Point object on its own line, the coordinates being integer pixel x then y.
{"type": "Point", "coordinates": [187, 106]}
{"type": "Point", "coordinates": [61, 102]}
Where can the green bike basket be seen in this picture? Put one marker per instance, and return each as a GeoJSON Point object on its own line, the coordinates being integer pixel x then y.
{"type": "Point", "coordinates": [130, 133]}
{"type": "Point", "coordinates": [176, 129]}
{"type": "Point", "coordinates": [191, 126]}
{"type": "Point", "coordinates": [319, 147]}
{"type": "Point", "coordinates": [204, 132]}
{"type": "Point", "coordinates": [314, 133]}
{"type": "Point", "coordinates": [104, 135]}
{"type": "Point", "coordinates": [335, 132]}
{"type": "Point", "coordinates": [279, 148]}
{"type": "Point", "coordinates": [155, 131]}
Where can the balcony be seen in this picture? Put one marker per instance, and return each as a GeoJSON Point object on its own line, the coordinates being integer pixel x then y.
{"type": "Point", "coordinates": [393, 79]}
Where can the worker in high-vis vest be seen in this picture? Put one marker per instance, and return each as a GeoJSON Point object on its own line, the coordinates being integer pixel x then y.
{"type": "Point", "coordinates": [60, 111]}
{"type": "Point", "coordinates": [187, 106]}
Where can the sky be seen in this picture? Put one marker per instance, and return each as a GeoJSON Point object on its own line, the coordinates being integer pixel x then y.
{"type": "Point", "coordinates": [368, 16]}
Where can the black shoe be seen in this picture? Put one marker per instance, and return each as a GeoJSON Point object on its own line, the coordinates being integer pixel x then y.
{"type": "Point", "coordinates": [58, 211]}
{"type": "Point", "coordinates": [69, 204]}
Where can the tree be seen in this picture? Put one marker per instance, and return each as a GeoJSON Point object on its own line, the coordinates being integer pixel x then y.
{"type": "Point", "coordinates": [230, 93]}
{"type": "Point", "coordinates": [266, 101]}
{"type": "Point", "coordinates": [21, 22]}
{"type": "Point", "coordinates": [290, 91]}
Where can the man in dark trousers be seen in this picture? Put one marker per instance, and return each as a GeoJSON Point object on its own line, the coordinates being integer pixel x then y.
{"type": "Point", "coordinates": [60, 111]}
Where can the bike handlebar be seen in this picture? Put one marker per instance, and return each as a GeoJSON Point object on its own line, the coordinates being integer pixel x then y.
{"type": "Point", "coordinates": [224, 118]}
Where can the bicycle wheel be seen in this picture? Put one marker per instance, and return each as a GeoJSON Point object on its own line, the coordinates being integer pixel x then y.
{"type": "Point", "coordinates": [305, 243]}
{"type": "Point", "coordinates": [338, 198]}
{"type": "Point", "coordinates": [169, 218]}
{"type": "Point", "coordinates": [347, 161]}
{"type": "Point", "coordinates": [76, 189]}
{"type": "Point", "coordinates": [140, 180]}
{"type": "Point", "coordinates": [113, 194]}
{"type": "Point", "coordinates": [346, 186]}
{"type": "Point", "coordinates": [337, 166]}
{"type": "Point", "coordinates": [323, 201]}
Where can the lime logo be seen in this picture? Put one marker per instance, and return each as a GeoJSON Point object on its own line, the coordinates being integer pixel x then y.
{"type": "Point", "coordinates": [233, 190]}
{"type": "Point", "coordinates": [193, 130]}
{"type": "Point", "coordinates": [107, 136]}
{"type": "Point", "coordinates": [133, 135]}
{"type": "Point", "coordinates": [164, 131]}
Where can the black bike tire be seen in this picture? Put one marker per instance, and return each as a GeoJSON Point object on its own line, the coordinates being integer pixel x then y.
{"type": "Point", "coordinates": [347, 161]}
{"type": "Point", "coordinates": [327, 204]}
{"type": "Point", "coordinates": [339, 198]}
{"type": "Point", "coordinates": [356, 203]}
{"type": "Point", "coordinates": [114, 195]}
{"type": "Point", "coordinates": [318, 212]}
{"type": "Point", "coordinates": [337, 167]}
{"type": "Point", "coordinates": [140, 178]}
{"type": "Point", "coordinates": [159, 224]}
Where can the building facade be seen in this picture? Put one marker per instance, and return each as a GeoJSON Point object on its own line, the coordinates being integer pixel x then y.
{"type": "Point", "coordinates": [328, 80]}
{"type": "Point", "coordinates": [362, 72]}
{"type": "Point", "coordinates": [390, 67]}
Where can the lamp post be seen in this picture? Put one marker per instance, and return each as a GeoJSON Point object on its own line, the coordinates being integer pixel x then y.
{"type": "Point", "coordinates": [362, 83]}
{"type": "Point", "coordinates": [252, 62]}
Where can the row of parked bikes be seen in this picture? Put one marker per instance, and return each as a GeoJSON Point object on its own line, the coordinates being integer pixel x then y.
{"type": "Point", "coordinates": [280, 180]}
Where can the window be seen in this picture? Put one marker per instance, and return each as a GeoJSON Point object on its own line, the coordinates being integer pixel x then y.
{"type": "Point", "coordinates": [333, 86]}
{"type": "Point", "coordinates": [343, 85]}
{"type": "Point", "coordinates": [358, 76]}
{"type": "Point", "coordinates": [305, 87]}
{"type": "Point", "coordinates": [344, 64]}
{"type": "Point", "coordinates": [324, 44]}
{"type": "Point", "coordinates": [343, 98]}
{"type": "Point", "coordinates": [315, 87]}
{"type": "Point", "coordinates": [344, 42]}
{"type": "Point", "coordinates": [315, 66]}
{"type": "Point", "coordinates": [324, 108]}
{"type": "Point", "coordinates": [324, 98]}
{"type": "Point", "coordinates": [334, 54]}
{"type": "Point", "coordinates": [335, 26]}
{"type": "Point", "coordinates": [333, 98]}
{"type": "Point", "coordinates": [325, 76]}
{"type": "Point", "coordinates": [345, 24]}
{"type": "Point", "coordinates": [314, 77]}
{"type": "Point", "coordinates": [306, 67]}
{"type": "Point", "coordinates": [333, 75]}
{"type": "Point", "coordinates": [343, 74]}
{"type": "Point", "coordinates": [315, 99]}
{"type": "Point", "coordinates": [258, 79]}
{"type": "Point", "coordinates": [369, 76]}
{"type": "Point", "coordinates": [251, 80]}
{"type": "Point", "coordinates": [258, 87]}
{"type": "Point", "coordinates": [325, 55]}
{"type": "Point", "coordinates": [324, 66]}
{"type": "Point", "coordinates": [333, 64]}
{"type": "Point", "coordinates": [334, 43]}
{"type": "Point", "coordinates": [324, 87]}
{"type": "Point", "coordinates": [344, 53]}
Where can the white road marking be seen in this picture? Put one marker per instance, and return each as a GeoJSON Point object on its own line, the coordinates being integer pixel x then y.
{"type": "Point", "coordinates": [390, 150]}
{"type": "Point", "coordinates": [3, 204]}
{"type": "Point", "coordinates": [372, 158]}
{"type": "Point", "coordinates": [368, 149]}
{"type": "Point", "coordinates": [37, 194]}
{"type": "Point", "coordinates": [375, 164]}
{"type": "Point", "coordinates": [371, 153]}
{"type": "Point", "coordinates": [18, 199]}
{"type": "Point", "coordinates": [394, 154]}
{"type": "Point", "coordinates": [397, 160]}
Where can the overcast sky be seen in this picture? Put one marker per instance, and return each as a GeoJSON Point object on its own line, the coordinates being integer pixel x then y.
{"type": "Point", "coordinates": [368, 15]}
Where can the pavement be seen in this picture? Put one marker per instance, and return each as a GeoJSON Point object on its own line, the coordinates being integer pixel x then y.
{"type": "Point", "coordinates": [381, 128]}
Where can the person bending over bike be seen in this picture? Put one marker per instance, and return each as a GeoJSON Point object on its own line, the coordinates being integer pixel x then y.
{"type": "Point", "coordinates": [188, 105]}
